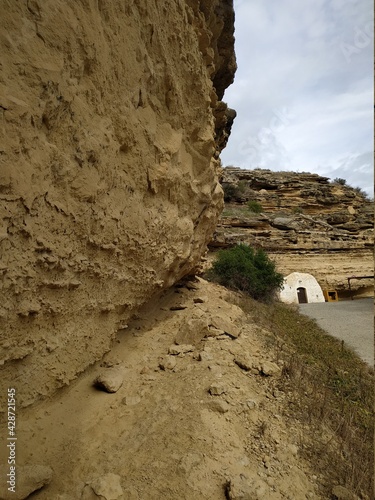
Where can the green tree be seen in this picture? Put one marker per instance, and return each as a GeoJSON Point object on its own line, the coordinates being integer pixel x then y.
{"type": "Point", "coordinates": [244, 268]}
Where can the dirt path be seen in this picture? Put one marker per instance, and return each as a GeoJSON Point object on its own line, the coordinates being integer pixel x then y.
{"type": "Point", "coordinates": [351, 321]}
{"type": "Point", "coordinates": [191, 430]}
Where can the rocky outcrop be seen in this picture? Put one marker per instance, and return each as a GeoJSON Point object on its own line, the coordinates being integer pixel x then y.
{"type": "Point", "coordinates": [306, 223]}
{"type": "Point", "coordinates": [111, 125]}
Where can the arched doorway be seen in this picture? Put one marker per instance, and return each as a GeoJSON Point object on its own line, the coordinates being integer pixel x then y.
{"type": "Point", "coordinates": [302, 295]}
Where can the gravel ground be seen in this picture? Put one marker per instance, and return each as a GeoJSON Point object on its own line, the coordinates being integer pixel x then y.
{"type": "Point", "coordinates": [351, 321]}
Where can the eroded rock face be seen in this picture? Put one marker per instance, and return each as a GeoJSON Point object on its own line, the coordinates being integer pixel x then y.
{"type": "Point", "coordinates": [111, 125]}
{"type": "Point", "coordinates": [306, 224]}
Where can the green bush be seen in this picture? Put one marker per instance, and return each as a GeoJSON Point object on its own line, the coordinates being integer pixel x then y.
{"type": "Point", "coordinates": [242, 187]}
{"type": "Point", "coordinates": [361, 192]}
{"type": "Point", "coordinates": [358, 190]}
{"type": "Point", "coordinates": [297, 210]}
{"type": "Point", "coordinates": [338, 180]}
{"type": "Point", "coordinates": [246, 269]}
{"type": "Point", "coordinates": [254, 207]}
{"type": "Point", "coordinates": [234, 191]}
{"type": "Point", "coordinates": [230, 191]}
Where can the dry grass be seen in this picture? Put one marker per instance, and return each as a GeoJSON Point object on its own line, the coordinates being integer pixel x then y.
{"type": "Point", "coordinates": [240, 211]}
{"type": "Point", "coordinates": [331, 394]}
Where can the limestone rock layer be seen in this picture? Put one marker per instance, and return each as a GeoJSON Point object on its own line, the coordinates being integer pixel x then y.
{"type": "Point", "coordinates": [111, 126]}
{"type": "Point", "coordinates": [305, 222]}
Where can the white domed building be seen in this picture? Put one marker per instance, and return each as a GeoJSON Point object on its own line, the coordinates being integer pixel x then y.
{"type": "Point", "coordinates": [301, 288]}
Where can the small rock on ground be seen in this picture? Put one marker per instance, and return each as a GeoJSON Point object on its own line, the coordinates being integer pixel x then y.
{"type": "Point", "coordinates": [269, 369]}
{"type": "Point", "coordinates": [107, 487]}
{"type": "Point", "coordinates": [168, 363]}
{"type": "Point", "coordinates": [218, 406]}
{"type": "Point", "coordinates": [131, 400]}
{"type": "Point", "coordinates": [241, 488]}
{"type": "Point", "coordinates": [192, 331]}
{"type": "Point", "coordinates": [243, 362]}
{"type": "Point", "coordinates": [342, 493]}
{"type": "Point", "coordinates": [217, 389]}
{"type": "Point", "coordinates": [293, 449]}
{"type": "Point", "coordinates": [205, 356]}
{"type": "Point", "coordinates": [223, 324]}
{"type": "Point", "coordinates": [251, 404]}
{"type": "Point", "coordinates": [214, 332]}
{"type": "Point", "coordinates": [176, 350]}
{"type": "Point", "coordinates": [110, 379]}
{"type": "Point", "coordinates": [200, 299]}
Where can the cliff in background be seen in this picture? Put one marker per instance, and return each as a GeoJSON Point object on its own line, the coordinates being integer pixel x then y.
{"type": "Point", "coordinates": [111, 127]}
{"type": "Point", "coordinates": [306, 224]}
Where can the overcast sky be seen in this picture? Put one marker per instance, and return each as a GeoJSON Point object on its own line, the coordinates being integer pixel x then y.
{"type": "Point", "coordinates": [303, 90]}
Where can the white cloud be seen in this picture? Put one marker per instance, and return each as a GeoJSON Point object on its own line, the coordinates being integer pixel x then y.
{"type": "Point", "coordinates": [291, 59]}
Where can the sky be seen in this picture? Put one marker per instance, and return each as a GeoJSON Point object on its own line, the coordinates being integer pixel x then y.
{"type": "Point", "coordinates": [303, 90]}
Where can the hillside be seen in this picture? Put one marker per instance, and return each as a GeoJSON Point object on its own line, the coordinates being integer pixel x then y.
{"type": "Point", "coordinates": [210, 404]}
{"type": "Point", "coordinates": [306, 224]}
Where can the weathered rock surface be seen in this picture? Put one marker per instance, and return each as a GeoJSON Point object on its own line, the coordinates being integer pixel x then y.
{"type": "Point", "coordinates": [107, 487]}
{"type": "Point", "coordinates": [111, 127]}
{"type": "Point", "coordinates": [307, 224]}
{"type": "Point", "coordinates": [29, 478]}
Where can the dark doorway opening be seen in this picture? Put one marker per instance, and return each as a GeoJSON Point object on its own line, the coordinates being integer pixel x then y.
{"type": "Point", "coordinates": [302, 295]}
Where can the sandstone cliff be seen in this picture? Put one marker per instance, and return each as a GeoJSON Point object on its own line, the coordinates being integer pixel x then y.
{"type": "Point", "coordinates": [111, 126]}
{"type": "Point", "coordinates": [306, 224]}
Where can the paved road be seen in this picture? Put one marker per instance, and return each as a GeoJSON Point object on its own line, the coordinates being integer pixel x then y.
{"type": "Point", "coordinates": [351, 321]}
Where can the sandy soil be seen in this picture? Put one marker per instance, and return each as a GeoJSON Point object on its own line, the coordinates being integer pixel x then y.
{"type": "Point", "coordinates": [163, 433]}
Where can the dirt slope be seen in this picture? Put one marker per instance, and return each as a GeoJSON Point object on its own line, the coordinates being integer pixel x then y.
{"type": "Point", "coordinates": [163, 433]}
